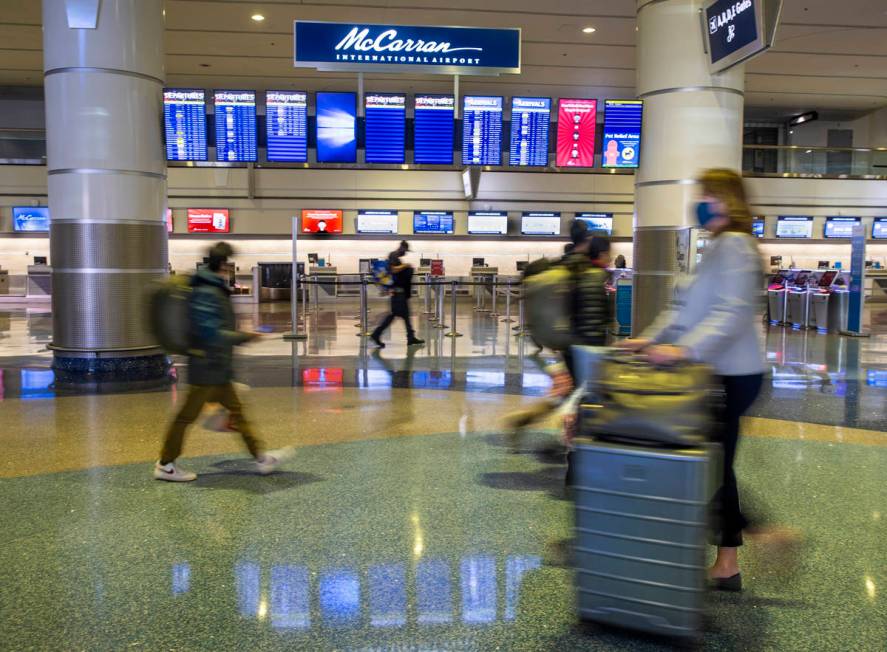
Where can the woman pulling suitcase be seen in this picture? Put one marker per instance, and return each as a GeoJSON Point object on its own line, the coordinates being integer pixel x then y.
{"type": "Point", "coordinates": [715, 319]}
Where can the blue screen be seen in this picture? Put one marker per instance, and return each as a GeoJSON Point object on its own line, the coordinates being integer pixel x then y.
{"type": "Point", "coordinates": [432, 222]}
{"type": "Point", "coordinates": [757, 228]}
{"type": "Point", "coordinates": [622, 133]}
{"type": "Point", "coordinates": [879, 228]}
{"type": "Point", "coordinates": [840, 227]}
{"type": "Point", "coordinates": [530, 119]}
{"type": "Point", "coordinates": [597, 221]}
{"type": "Point", "coordinates": [30, 218]}
{"type": "Point", "coordinates": [286, 125]}
{"type": "Point", "coordinates": [184, 117]}
{"type": "Point", "coordinates": [433, 129]}
{"type": "Point", "coordinates": [386, 115]}
{"type": "Point", "coordinates": [235, 126]}
{"type": "Point", "coordinates": [336, 127]}
{"type": "Point", "coordinates": [482, 131]}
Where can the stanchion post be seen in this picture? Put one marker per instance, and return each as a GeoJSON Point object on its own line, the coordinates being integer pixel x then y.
{"type": "Point", "coordinates": [519, 331]}
{"type": "Point", "coordinates": [508, 318]}
{"type": "Point", "coordinates": [428, 310]}
{"type": "Point", "coordinates": [440, 305]}
{"type": "Point", "coordinates": [364, 307]}
{"type": "Point", "coordinates": [494, 290]}
{"type": "Point", "coordinates": [295, 333]}
{"type": "Point", "coordinates": [453, 332]}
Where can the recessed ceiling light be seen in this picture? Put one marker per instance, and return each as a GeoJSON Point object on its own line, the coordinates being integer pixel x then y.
{"type": "Point", "coordinates": [588, 30]}
{"type": "Point", "coordinates": [258, 17]}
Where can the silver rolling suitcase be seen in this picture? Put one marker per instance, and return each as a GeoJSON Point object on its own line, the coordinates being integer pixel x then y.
{"type": "Point", "coordinates": [641, 523]}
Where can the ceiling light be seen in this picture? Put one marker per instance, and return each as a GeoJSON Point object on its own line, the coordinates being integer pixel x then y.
{"type": "Point", "coordinates": [588, 30]}
{"type": "Point", "coordinates": [258, 17]}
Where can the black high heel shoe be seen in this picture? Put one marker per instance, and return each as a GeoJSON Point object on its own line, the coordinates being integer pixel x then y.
{"type": "Point", "coordinates": [732, 583]}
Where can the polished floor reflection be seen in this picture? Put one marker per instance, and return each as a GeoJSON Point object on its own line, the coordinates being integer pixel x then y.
{"type": "Point", "coordinates": [404, 522]}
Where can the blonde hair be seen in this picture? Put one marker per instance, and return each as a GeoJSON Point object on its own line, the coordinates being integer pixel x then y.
{"type": "Point", "coordinates": [727, 187]}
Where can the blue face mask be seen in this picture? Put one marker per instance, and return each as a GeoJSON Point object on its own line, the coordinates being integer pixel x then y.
{"type": "Point", "coordinates": [705, 213]}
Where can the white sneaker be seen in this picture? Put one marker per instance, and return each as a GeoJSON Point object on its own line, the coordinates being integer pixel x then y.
{"type": "Point", "coordinates": [171, 473]}
{"type": "Point", "coordinates": [270, 461]}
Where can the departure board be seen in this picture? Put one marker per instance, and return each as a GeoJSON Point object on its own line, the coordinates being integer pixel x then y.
{"type": "Point", "coordinates": [432, 222]}
{"type": "Point", "coordinates": [576, 122]}
{"type": "Point", "coordinates": [286, 125]}
{"type": "Point", "coordinates": [386, 115]}
{"type": "Point", "coordinates": [482, 130]}
{"type": "Point", "coordinates": [622, 133]}
{"type": "Point", "coordinates": [235, 126]}
{"type": "Point", "coordinates": [433, 128]}
{"type": "Point", "coordinates": [184, 115]}
{"type": "Point", "coordinates": [530, 119]}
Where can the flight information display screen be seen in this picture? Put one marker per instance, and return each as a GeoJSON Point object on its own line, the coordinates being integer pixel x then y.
{"type": "Point", "coordinates": [184, 117]}
{"type": "Point", "coordinates": [337, 128]}
{"type": "Point", "coordinates": [757, 227]}
{"type": "Point", "coordinates": [235, 125]}
{"type": "Point", "coordinates": [879, 228]}
{"type": "Point", "coordinates": [487, 222]}
{"type": "Point", "coordinates": [433, 222]}
{"type": "Point", "coordinates": [286, 125]}
{"type": "Point", "coordinates": [433, 128]}
{"type": "Point", "coordinates": [540, 223]}
{"type": "Point", "coordinates": [530, 119]}
{"type": "Point", "coordinates": [794, 226]}
{"type": "Point", "coordinates": [622, 133]}
{"type": "Point", "coordinates": [840, 227]}
{"type": "Point", "coordinates": [386, 116]}
{"type": "Point", "coordinates": [377, 221]}
{"type": "Point", "coordinates": [482, 130]}
{"type": "Point", "coordinates": [599, 222]}
{"type": "Point", "coordinates": [576, 125]}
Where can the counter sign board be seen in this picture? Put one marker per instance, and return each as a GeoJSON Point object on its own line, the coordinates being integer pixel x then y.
{"type": "Point", "coordinates": [736, 30]}
{"type": "Point", "coordinates": [399, 48]}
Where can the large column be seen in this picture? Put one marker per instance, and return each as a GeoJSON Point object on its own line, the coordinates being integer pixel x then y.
{"type": "Point", "coordinates": [103, 77]}
{"type": "Point", "coordinates": [692, 121]}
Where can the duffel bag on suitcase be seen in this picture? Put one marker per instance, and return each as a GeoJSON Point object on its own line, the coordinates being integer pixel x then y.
{"type": "Point", "coordinates": [633, 400]}
{"type": "Point", "coordinates": [640, 534]}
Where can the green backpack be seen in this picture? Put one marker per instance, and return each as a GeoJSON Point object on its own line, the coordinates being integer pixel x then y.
{"type": "Point", "coordinates": [548, 303]}
{"type": "Point", "coordinates": [169, 313]}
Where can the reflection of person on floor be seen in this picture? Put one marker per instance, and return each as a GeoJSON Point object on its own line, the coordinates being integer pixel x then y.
{"type": "Point", "coordinates": [210, 369]}
{"type": "Point", "coordinates": [402, 273]}
{"type": "Point", "coordinates": [402, 410]}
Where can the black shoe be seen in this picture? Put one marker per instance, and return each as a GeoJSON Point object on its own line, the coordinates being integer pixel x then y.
{"type": "Point", "coordinates": [415, 342]}
{"type": "Point", "coordinates": [377, 341]}
{"type": "Point", "coordinates": [732, 583]}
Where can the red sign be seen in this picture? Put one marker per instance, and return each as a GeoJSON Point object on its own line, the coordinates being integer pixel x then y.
{"type": "Point", "coordinates": [437, 267]}
{"type": "Point", "coordinates": [576, 122]}
{"type": "Point", "coordinates": [208, 220]}
{"type": "Point", "coordinates": [169, 220]}
{"type": "Point", "coordinates": [321, 221]}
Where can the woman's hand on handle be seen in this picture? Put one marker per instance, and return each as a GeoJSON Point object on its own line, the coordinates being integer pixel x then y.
{"type": "Point", "coordinates": [633, 344]}
{"type": "Point", "coordinates": [665, 354]}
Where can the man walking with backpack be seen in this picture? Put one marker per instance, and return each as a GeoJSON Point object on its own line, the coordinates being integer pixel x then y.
{"type": "Point", "coordinates": [213, 337]}
{"type": "Point", "coordinates": [402, 274]}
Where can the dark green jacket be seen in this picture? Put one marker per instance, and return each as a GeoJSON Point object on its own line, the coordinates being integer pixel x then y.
{"type": "Point", "coordinates": [591, 307]}
{"type": "Point", "coordinates": [213, 331]}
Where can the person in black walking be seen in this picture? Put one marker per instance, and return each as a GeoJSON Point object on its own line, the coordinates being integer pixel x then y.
{"type": "Point", "coordinates": [402, 274]}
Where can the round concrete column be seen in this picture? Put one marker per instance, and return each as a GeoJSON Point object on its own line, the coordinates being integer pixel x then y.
{"type": "Point", "coordinates": [692, 121]}
{"type": "Point", "coordinates": [103, 78]}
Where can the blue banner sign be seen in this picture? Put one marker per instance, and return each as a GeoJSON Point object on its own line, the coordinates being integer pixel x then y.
{"type": "Point", "coordinates": [857, 280]}
{"type": "Point", "coordinates": [448, 50]}
{"type": "Point", "coordinates": [736, 30]}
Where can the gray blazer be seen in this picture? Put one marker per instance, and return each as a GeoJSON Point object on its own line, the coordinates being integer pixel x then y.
{"type": "Point", "coordinates": [716, 311]}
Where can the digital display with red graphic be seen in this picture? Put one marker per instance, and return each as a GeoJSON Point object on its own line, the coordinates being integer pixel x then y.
{"type": "Point", "coordinates": [323, 377]}
{"type": "Point", "coordinates": [208, 220]}
{"type": "Point", "coordinates": [576, 122]}
{"type": "Point", "coordinates": [321, 221]}
{"type": "Point", "coordinates": [169, 220]}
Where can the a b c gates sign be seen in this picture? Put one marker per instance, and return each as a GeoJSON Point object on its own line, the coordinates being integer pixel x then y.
{"type": "Point", "coordinates": [393, 48]}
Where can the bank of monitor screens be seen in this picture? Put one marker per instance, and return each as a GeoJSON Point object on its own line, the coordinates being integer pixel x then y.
{"type": "Point", "coordinates": [757, 227]}
{"type": "Point", "coordinates": [840, 227]}
{"type": "Point", "coordinates": [377, 221]}
{"type": "Point", "coordinates": [286, 126]}
{"type": "Point", "coordinates": [481, 130]}
{"type": "Point", "coordinates": [621, 146]}
{"type": "Point", "coordinates": [487, 222]}
{"type": "Point", "coordinates": [576, 124]}
{"type": "Point", "coordinates": [879, 228]}
{"type": "Point", "coordinates": [235, 126]}
{"type": "Point", "coordinates": [433, 128]}
{"type": "Point", "coordinates": [437, 222]}
{"type": "Point", "coordinates": [540, 223]}
{"type": "Point", "coordinates": [530, 119]}
{"type": "Point", "coordinates": [208, 220]}
{"type": "Point", "coordinates": [597, 222]}
{"type": "Point", "coordinates": [30, 219]}
{"type": "Point", "coordinates": [794, 226]}
{"type": "Point", "coordinates": [386, 115]}
{"type": "Point", "coordinates": [336, 128]}
{"type": "Point", "coordinates": [321, 220]}
{"type": "Point", "coordinates": [184, 118]}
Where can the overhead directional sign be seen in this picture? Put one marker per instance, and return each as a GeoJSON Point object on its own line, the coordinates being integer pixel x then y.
{"type": "Point", "coordinates": [392, 48]}
{"type": "Point", "coordinates": [736, 30]}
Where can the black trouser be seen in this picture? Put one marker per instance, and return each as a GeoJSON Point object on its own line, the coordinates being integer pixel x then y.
{"type": "Point", "coordinates": [400, 307]}
{"type": "Point", "coordinates": [740, 393]}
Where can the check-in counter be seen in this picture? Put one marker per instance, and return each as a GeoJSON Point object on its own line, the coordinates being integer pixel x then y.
{"type": "Point", "coordinates": [39, 281]}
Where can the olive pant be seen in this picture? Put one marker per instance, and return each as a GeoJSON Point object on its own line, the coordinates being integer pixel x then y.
{"type": "Point", "coordinates": [198, 396]}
